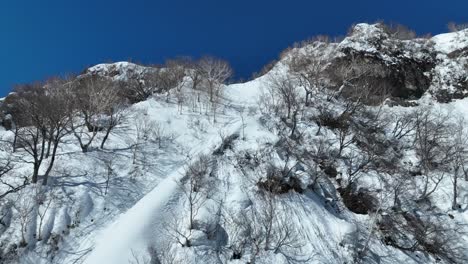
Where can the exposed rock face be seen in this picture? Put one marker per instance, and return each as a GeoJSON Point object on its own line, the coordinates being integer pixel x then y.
{"type": "Point", "coordinates": [401, 67]}
{"type": "Point", "coordinates": [119, 71]}
{"type": "Point", "coordinates": [406, 68]}
{"type": "Point", "coordinates": [451, 72]}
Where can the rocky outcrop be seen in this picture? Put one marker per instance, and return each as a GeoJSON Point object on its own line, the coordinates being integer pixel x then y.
{"type": "Point", "coordinates": [402, 68]}
{"type": "Point", "coordinates": [407, 68]}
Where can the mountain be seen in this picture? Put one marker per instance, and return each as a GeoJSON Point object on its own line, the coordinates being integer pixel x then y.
{"type": "Point", "coordinates": [348, 152]}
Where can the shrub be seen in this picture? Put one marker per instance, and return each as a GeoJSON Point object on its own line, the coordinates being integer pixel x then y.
{"type": "Point", "coordinates": [360, 202]}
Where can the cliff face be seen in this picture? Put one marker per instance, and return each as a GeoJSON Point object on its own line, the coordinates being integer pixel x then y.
{"type": "Point", "coordinates": [406, 68]}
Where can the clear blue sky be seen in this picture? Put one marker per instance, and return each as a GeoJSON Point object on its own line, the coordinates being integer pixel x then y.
{"type": "Point", "coordinates": [40, 39]}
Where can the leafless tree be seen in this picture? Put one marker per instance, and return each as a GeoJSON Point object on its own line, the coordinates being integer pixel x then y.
{"type": "Point", "coordinates": [410, 232]}
{"type": "Point", "coordinates": [58, 118]}
{"type": "Point", "coordinates": [459, 152]}
{"type": "Point", "coordinates": [115, 116]}
{"type": "Point", "coordinates": [110, 171]}
{"type": "Point", "coordinates": [454, 27]}
{"type": "Point", "coordinates": [24, 206]}
{"type": "Point", "coordinates": [42, 120]}
{"type": "Point", "coordinates": [399, 187]}
{"type": "Point", "coordinates": [197, 186]}
{"type": "Point", "coordinates": [404, 125]}
{"type": "Point", "coordinates": [164, 254]}
{"type": "Point", "coordinates": [357, 163]}
{"type": "Point", "coordinates": [6, 167]}
{"type": "Point", "coordinates": [44, 202]}
{"type": "Point", "coordinates": [214, 72]}
{"type": "Point", "coordinates": [265, 227]}
{"type": "Point", "coordinates": [177, 232]}
{"type": "Point", "coordinates": [138, 88]}
{"type": "Point", "coordinates": [398, 31]}
{"type": "Point", "coordinates": [171, 76]}
{"type": "Point", "coordinates": [286, 92]}
{"type": "Point", "coordinates": [159, 133]}
{"type": "Point", "coordinates": [95, 98]}
{"type": "Point", "coordinates": [345, 138]}
{"type": "Point", "coordinates": [241, 111]}
{"type": "Point", "coordinates": [144, 128]}
{"type": "Point", "coordinates": [308, 70]}
{"type": "Point", "coordinates": [194, 73]}
{"type": "Point", "coordinates": [432, 148]}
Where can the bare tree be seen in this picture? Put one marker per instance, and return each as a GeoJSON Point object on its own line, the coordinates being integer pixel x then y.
{"type": "Point", "coordinates": [308, 70]}
{"type": "Point", "coordinates": [197, 186]}
{"type": "Point", "coordinates": [286, 92]}
{"type": "Point", "coordinates": [265, 227]}
{"type": "Point", "coordinates": [345, 138]}
{"type": "Point", "coordinates": [110, 171]}
{"type": "Point", "coordinates": [25, 209]}
{"type": "Point", "coordinates": [195, 75]}
{"type": "Point", "coordinates": [459, 152]}
{"type": "Point", "coordinates": [144, 128]}
{"type": "Point", "coordinates": [115, 116]}
{"type": "Point", "coordinates": [170, 76]}
{"type": "Point", "coordinates": [412, 232]}
{"type": "Point", "coordinates": [57, 118]}
{"type": "Point", "coordinates": [454, 27]}
{"type": "Point", "coordinates": [241, 111]}
{"type": "Point", "coordinates": [138, 88]}
{"type": "Point", "coordinates": [159, 133]}
{"type": "Point", "coordinates": [6, 167]}
{"type": "Point", "coordinates": [94, 99]}
{"type": "Point", "coordinates": [432, 148]}
{"type": "Point", "coordinates": [404, 125]}
{"type": "Point", "coordinates": [398, 31]}
{"type": "Point", "coordinates": [44, 202]}
{"type": "Point", "coordinates": [214, 72]}
{"type": "Point", "coordinates": [42, 120]}
{"type": "Point", "coordinates": [356, 164]}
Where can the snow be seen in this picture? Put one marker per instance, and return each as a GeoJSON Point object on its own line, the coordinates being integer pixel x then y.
{"type": "Point", "coordinates": [120, 71]}
{"type": "Point", "coordinates": [145, 196]}
{"type": "Point", "coordinates": [129, 231]}
{"type": "Point", "coordinates": [450, 42]}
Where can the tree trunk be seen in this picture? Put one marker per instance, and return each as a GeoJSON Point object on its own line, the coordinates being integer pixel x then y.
{"type": "Point", "coordinates": [15, 138]}
{"type": "Point", "coordinates": [455, 191]}
{"type": "Point", "coordinates": [35, 173]}
{"type": "Point", "coordinates": [108, 130]}
{"type": "Point", "coordinates": [51, 164]}
{"type": "Point", "coordinates": [294, 123]}
{"type": "Point", "coordinates": [307, 97]}
{"type": "Point", "coordinates": [84, 148]}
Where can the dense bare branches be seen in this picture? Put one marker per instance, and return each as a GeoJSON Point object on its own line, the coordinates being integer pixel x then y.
{"type": "Point", "coordinates": [42, 120]}
{"type": "Point", "coordinates": [454, 27]}
{"type": "Point", "coordinates": [163, 80]}
{"type": "Point", "coordinates": [215, 72]}
{"type": "Point", "coordinates": [196, 186]}
{"type": "Point", "coordinates": [264, 226]}
{"type": "Point", "coordinates": [94, 104]}
{"type": "Point", "coordinates": [6, 167]}
{"type": "Point", "coordinates": [308, 69]}
{"type": "Point", "coordinates": [285, 93]}
{"type": "Point", "coordinates": [398, 31]}
{"type": "Point", "coordinates": [459, 152]}
{"type": "Point", "coordinates": [432, 148]}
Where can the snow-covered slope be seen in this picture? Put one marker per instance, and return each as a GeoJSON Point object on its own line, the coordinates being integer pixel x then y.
{"type": "Point", "coordinates": [129, 202]}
